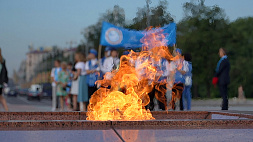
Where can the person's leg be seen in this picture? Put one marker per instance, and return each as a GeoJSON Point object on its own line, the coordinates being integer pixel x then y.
{"type": "Point", "coordinates": [3, 101]}
{"type": "Point", "coordinates": [184, 95]}
{"type": "Point", "coordinates": [57, 101]}
{"type": "Point", "coordinates": [53, 98]}
{"type": "Point", "coordinates": [81, 106]}
{"type": "Point", "coordinates": [188, 97]}
{"type": "Point", "coordinates": [161, 91]}
{"type": "Point", "coordinates": [151, 104]}
{"type": "Point", "coordinates": [84, 106]}
{"type": "Point", "coordinates": [62, 102]}
{"type": "Point", "coordinates": [174, 97]}
{"type": "Point", "coordinates": [180, 89]}
{"type": "Point", "coordinates": [74, 102]}
{"type": "Point", "coordinates": [181, 103]}
{"type": "Point", "coordinates": [224, 95]}
{"type": "Point", "coordinates": [69, 101]}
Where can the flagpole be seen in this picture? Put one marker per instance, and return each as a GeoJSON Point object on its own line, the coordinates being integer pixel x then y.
{"type": "Point", "coordinates": [99, 59]}
{"type": "Point", "coordinates": [99, 52]}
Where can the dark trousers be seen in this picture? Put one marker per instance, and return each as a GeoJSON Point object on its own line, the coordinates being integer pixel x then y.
{"type": "Point", "coordinates": [177, 92]}
{"type": "Point", "coordinates": [158, 91]}
{"type": "Point", "coordinates": [224, 94]}
{"type": "Point", "coordinates": [57, 101]}
{"type": "Point", "coordinates": [91, 90]}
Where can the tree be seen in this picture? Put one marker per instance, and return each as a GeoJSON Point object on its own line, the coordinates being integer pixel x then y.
{"type": "Point", "coordinates": [202, 32]}
{"type": "Point", "coordinates": [159, 16]}
{"type": "Point", "coordinates": [92, 33]}
{"type": "Point", "coordinates": [240, 53]}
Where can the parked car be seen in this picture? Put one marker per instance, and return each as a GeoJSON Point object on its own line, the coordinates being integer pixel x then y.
{"type": "Point", "coordinates": [35, 92]}
{"type": "Point", "coordinates": [23, 92]}
{"type": "Point", "coordinates": [12, 93]}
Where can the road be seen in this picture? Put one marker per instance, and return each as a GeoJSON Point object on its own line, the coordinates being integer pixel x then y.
{"type": "Point", "coordinates": [22, 104]}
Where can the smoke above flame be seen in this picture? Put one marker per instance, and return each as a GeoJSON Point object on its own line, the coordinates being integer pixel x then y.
{"type": "Point", "coordinates": [131, 82]}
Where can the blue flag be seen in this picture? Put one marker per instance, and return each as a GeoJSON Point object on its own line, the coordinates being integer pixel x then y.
{"type": "Point", "coordinates": [114, 36]}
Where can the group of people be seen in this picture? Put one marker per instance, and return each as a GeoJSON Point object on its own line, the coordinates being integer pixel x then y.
{"type": "Point", "coordinates": [73, 84]}
{"type": "Point", "coordinates": [174, 83]}
{"type": "Point", "coordinates": [77, 83]}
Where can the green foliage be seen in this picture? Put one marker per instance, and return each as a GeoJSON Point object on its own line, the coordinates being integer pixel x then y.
{"type": "Point", "coordinates": [239, 47]}
{"type": "Point", "coordinates": [202, 31]}
{"type": "Point", "coordinates": [92, 33]}
{"type": "Point", "coordinates": [159, 16]}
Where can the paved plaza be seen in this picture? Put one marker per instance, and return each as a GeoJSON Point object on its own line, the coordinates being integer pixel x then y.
{"type": "Point", "coordinates": [22, 104]}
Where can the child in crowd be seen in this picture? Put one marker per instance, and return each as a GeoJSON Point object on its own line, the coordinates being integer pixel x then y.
{"type": "Point", "coordinates": [62, 84]}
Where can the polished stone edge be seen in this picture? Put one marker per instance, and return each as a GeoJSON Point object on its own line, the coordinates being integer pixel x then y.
{"type": "Point", "coordinates": [104, 125]}
{"type": "Point", "coordinates": [42, 115]}
{"type": "Point", "coordinates": [54, 125]}
{"type": "Point", "coordinates": [237, 114]}
{"type": "Point", "coordinates": [82, 115]}
{"type": "Point", "coordinates": [158, 115]}
{"type": "Point", "coordinates": [233, 123]}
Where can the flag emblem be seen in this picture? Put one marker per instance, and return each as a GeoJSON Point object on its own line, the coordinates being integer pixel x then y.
{"type": "Point", "coordinates": [113, 36]}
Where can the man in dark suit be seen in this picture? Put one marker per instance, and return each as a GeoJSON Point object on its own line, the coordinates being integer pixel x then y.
{"type": "Point", "coordinates": [222, 73]}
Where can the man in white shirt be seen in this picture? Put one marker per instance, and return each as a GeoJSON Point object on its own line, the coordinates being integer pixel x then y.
{"type": "Point", "coordinates": [107, 54]}
{"type": "Point", "coordinates": [112, 62]}
{"type": "Point", "coordinates": [92, 72]}
{"type": "Point", "coordinates": [54, 77]}
{"type": "Point", "coordinates": [178, 69]}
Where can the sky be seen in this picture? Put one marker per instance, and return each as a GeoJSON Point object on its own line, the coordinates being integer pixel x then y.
{"type": "Point", "coordinates": [56, 22]}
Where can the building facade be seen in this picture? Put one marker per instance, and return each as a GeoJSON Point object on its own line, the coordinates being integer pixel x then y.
{"type": "Point", "coordinates": [38, 60]}
{"type": "Point", "coordinates": [33, 59]}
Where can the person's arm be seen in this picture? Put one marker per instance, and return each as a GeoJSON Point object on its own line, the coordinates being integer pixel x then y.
{"type": "Point", "coordinates": [1, 57]}
{"type": "Point", "coordinates": [52, 75]}
{"type": "Point", "coordinates": [1, 60]}
{"type": "Point", "coordinates": [223, 65]}
{"type": "Point", "coordinates": [184, 69]}
{"type": "Point", "coordinates": [88, 71]}
{"type": "Point", "coordinates": [77, 73]}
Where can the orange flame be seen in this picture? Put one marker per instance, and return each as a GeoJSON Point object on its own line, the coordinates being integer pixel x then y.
{"type": "Point", "coordinates": [131, 83]}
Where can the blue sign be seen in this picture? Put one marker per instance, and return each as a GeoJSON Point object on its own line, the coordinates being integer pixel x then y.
{"type": "Point", "coordinates": [114, 36]}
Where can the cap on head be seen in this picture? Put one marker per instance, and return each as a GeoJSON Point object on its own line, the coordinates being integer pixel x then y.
{"type": "Point", "coordinates": [125, 52]}
{"type": "Point", "coordinates": [178, 51]}
{"type": "Point", "coordinates": [93, 51]}
{"type": "Point", "coordinates": [107, 48]}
